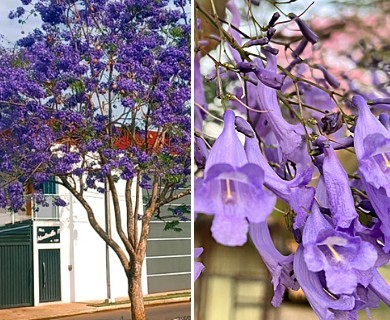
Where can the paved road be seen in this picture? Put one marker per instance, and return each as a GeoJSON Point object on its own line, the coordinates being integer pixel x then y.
{"type": "Point", "coordinates": [161, 312]}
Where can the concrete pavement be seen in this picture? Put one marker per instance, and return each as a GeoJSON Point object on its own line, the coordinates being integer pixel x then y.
{"type": "Point", "coordinates": [55, 310]}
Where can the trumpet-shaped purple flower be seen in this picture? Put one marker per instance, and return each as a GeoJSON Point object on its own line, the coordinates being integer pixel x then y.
{"type": "Point", "coordinates": [372, 147]}
{"type": "Point", "coordinates": [295, 192]}
{"type": "Point", "coordinates": [346, 259]}
{"type": "Point", "coordinates": [198, 266]}
{"type": "Point", "coordinates": [290, 137]}
{"type": "Point", "coordinates": [232, 189]}
{"type": "Point", "coordinates": [326, 306]}
{"type": "Point", "coordinates": [339, 195]}
{"type": "Point", "coordinates": [280, 266]}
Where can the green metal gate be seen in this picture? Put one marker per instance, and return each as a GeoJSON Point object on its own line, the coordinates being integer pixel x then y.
{"type": "Point", "coordinates": [49, 275]}
{"type": "Point", "coordinates": [16, 267]}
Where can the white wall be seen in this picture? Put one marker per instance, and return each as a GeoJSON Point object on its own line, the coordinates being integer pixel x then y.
{"type": "Point", "coordinates": [83, 252]}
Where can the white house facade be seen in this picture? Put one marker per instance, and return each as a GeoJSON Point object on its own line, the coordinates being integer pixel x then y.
{"type": "Point", "coordinates": [55, 255]}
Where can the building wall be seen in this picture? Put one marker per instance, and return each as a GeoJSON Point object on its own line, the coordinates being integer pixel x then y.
{"type": "Point", "coordinates": [168, 258]}
{"type": "Point", "coordinates": [83, 252]}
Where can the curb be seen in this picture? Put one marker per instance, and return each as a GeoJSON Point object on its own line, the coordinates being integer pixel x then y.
{"type": "Point", "coordinates": [116, 306]}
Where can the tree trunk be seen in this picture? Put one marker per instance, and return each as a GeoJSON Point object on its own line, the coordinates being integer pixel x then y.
{"type": "Point", "coordinates": [135, 292]}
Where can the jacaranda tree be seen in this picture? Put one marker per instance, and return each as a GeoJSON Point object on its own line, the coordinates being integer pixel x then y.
{"type": "Point", "coordinates": [99, 94]}
{"type": "Point", "coordinates": [292, 114]}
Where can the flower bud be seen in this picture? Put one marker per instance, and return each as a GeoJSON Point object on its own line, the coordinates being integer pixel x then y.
{"type": "Point", "coordinates": [200, 152]}
{"type": "Point", "coordinates": [384, 118]}
{"type": "Point", "coordinates": [331, 122]}
{"type": "Point", "coordinates": [300, 48]}
{"type": "Point", "coordinates": [256, 42]}
{"type": "Point", "coordinates": [274, 18]}
{"type": "Point", "coordinates": [274, 51]}
{"type": "Point", "coordinates": [255, 2]}
{"type": "Point", "coordinates": [329, 77]}
{"type": "Point", "coordinates": [270, 33]}
{"type": "Point", "coordinates": [306, 31]}
{"type": "Point", "coordinates": [246, 67]}
{"type": "Point", "coordinates": [270, 79]}
{"type": "Point", "coordinates": [244, 127]}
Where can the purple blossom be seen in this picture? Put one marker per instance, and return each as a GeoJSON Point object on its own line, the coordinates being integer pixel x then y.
{"type": "Point", "coordinates": [60, 202]}
{"type": "Point", "coordinates": [306, 31]}
{"type": "Point", "coordinates": [280, 266]}
{"type": "Point", "coordinates": [339, 195]}
{"type": "Point", "coordinates": [198, 266]}
{"type": "Point", "coordinates": [372, 147]}
{"type": "Point", "coordinates": [200, 152]}
{"type": "Point", "coordinates": [290, 137]}
{"type": "Point", "coordinates": [326, 306]}
{"type": "Point", "coordinates": [345, 259]}
{"type": "Point", "coordinates": [295, 192]}
{"type": "Point", "coordinates": [328, 76]}
{"type": "Point", "coordinates": [232, 189]}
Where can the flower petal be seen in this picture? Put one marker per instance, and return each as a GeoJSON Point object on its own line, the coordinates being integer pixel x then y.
{"type": "Point", "coordinates": [227, 148]}
{"type": "Point", "coordinates": [323, 304]}
{"type": "Point", "coordinates": [280, 266]}
{"type": "Point", "coordinates": [229, 230]}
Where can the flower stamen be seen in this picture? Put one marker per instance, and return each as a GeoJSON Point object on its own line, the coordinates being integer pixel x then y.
{"type": "Point", "coordinates": [229, 195]}
{"type": "Point", "coordinates": [334, 253]}
{"type": "Point", "coordinates": [387, 162]}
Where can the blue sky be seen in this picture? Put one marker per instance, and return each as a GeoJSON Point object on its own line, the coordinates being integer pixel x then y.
{"type": "Point", "coordinates": [11, 29]}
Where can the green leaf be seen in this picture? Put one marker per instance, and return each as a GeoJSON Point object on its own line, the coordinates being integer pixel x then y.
{"type": "Point", "coordinates": [172, 225]}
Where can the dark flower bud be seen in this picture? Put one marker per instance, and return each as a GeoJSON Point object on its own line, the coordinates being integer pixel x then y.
{"type": "Point", "coordinates": [331, 122]}
{"type": "Point", "coordinates": [270, 79]}
{"type": "Point", "coordinates": [256, 42]}
{"type": "Point", "coordinates": [328, 77]}
{"type": "Point", "coordinates": [200, 152]}
{"type": "Point", "coordinates": [300, 48]}
{"type": "Point", "coordinates": [255, 2]}
{"type": "Point", "coordinates": [270, 33]}
{"type": "Point", "coordinates": [274, 18]}
{"type": "Point", "coordinates": [306, 31]}
{"type": "Point", "coordinates": [384, 118]}
{"type": "Point", "coordinates": [244, 127]}
{"type": "Point", "coordinates": [269, 49]}
{"type": "Point", "coordinates": [292, 64]}
{"type": "Point", "coordinates": [246, 67]}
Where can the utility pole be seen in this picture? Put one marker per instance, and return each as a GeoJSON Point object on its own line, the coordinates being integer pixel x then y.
{"type": "Point", "coordinates": [108, 231]}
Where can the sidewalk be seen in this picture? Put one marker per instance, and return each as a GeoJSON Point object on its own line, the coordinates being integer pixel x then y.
{"type": "Point", "coordinates": [58, 309]}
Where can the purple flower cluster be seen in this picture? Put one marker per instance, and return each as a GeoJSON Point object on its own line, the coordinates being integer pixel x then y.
{"type": "Point", "coordinates": [339, 251]}
{"type": "Point", "coordinates": [81, 95]}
